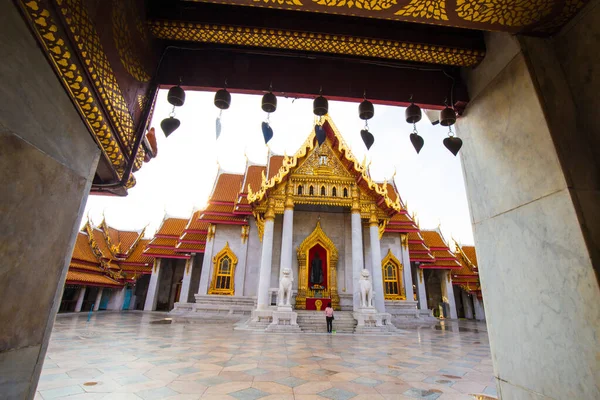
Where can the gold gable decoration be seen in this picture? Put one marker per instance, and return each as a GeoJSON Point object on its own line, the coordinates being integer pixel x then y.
{"type": "Point", "coordinates": [317, 236]}
{"type": "Point", "coordinates": [322, 168]}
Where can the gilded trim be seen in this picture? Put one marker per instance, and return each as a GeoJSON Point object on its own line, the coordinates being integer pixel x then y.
{"type": "Point", "coordinates": [390, 258]}
{"type": "Point", "coordinates": [315, 42]}
{"type": "Point", "coordinates": [225, 252]}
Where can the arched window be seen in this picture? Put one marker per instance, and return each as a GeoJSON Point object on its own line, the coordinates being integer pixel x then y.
{"type": "Point", "coordinates": [322, 190]}
{"type": "Point", "coordinates": [392, 278]}
{"type": "Point", "coordinates": [311, 191]}
{"type": "Point", "coordinates": [334, 192]}
{"type": "Point", "coordinates": [300, 190]}
{"type": "Point", "coordinates": [345, 192]}
{"type": "Point", "coordinates": [223, 272]}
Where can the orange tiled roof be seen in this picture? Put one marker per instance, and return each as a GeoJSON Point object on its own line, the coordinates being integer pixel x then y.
{"type": "Point", "coordinates": [172, 226]}
{"type": "Point", "coordinates": [275, 163]}
{"type": "Point", "coordinates": [101, 243]}
{"type": "Point", "coordinates": [162, 241]}
{"type": "Point", "coordinates": [137, 255]}
{"type": "Point", "coordinates": [82, 250]}
{"type": "Point", "coordinates": [138, 268]}
{"type": "Point", "coordinates": [83, 266]}
{"type": "Point", "coordinates": [162, 253]}
{"type": "Point", "coordinates": [219, 208]}
{"type": "Point", "coordinates": [219, 218]}
{"type": "Point", "coordinates": [227, 187]}
{"type": "Point", "coordinates": [433, 239]}
{"type": "Point", "coordinates": [190, 247]}
{"type": "Point", "coordinates": [253, 177]}
{"type": "Point", "coordinates": [471, 254]}
{"type": "Point", "coordinates": [76, 277]}
{"type": "Point", "coordinates": [125, 238]}
{"type": "Point", "coordinates": [194, 237]}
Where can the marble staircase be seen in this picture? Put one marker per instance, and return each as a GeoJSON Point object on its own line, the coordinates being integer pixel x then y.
{"type": "Point", "coordinates": [314, 321]}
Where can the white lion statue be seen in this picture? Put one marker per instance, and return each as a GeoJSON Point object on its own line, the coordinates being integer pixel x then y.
{"type": "Point", "coordinates": [366, 290]}
{"type": "Point", "coordinates": [284, 296]}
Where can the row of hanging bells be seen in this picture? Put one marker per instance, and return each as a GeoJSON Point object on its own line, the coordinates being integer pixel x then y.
{"type": "Point", "coordinates": [366, 111]}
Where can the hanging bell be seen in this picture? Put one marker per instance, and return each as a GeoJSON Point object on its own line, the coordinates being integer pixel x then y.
{"type": "Point", "coordinates": [413, 114]}
{"type": "Point", "coordinates": [176, 96]}
{"type": "Point", "coordinates": [447, 117]}
{"type": "Point", "coordinates": [169, 125]}
{"type": "Point", "coordinates": [320, 134]}
{"type": "Point", "coordinates": [320, 106]}
{"type": "Point", "coordinates": [269, 102]}
{"type": "Point", "coordinates": [367, 138]}
{"type": "Point", "coordinates": [417, 141]}
{"type": "Point", "coordinates": [222, 99]}
{"type": "Point", "coordinates": [453, 144]}
{"type": "Point", "coordinates": [366, 110]}
{"type": "Point", "coordinates": [267, 132]}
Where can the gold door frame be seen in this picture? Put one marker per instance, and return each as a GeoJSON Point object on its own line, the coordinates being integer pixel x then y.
{"type": "Point", "coordinates": [317, 237]}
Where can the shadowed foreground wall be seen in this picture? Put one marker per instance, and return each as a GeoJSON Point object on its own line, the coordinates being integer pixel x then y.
{"type": "Point", "coordinates": [47, 159]}
{"type": "Point", "coordinates": [530, 163]}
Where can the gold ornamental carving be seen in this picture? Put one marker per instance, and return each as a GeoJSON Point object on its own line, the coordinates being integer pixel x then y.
{"type": "Point", "coordinates": [223, 278]}
{"type": "Point", "coordinates": [318, 236]}
{"type": "Point", "coordinates": [395, 278]}
{"type": "Point", "coordinates": [128, 52]}
{"type": "Point", "coordinates": [315, 42]}
{"type": "Point", "coordinates": [373, 5]}
{"type": "Point", "coordinates": [504, 12]}
{"type": "Point", "coordinates": [429, 9]}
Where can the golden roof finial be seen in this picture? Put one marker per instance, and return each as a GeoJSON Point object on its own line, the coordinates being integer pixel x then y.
{"type": "Point", "coordinates": [394, 174]}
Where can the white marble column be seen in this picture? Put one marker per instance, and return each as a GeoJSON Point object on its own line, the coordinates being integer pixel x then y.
{"type": "Point", "coordinates": [287, 234]}
{"type": "Point", "coordinates": [152, 294]}
{"type": "Point", "coordinates": [448, 291]}
{"type": "Point", "coordinates": [479, 310]}
{"type": "Point", "coordinates": [264, 279]}
{"type": "Point", "coordinates": [407, 271]}
{"type": "Point", "coordinates": [80, 298]}
{"type": "Point", "coordinates": [187, 278]}
{"type": "Point", "coordinates": [357, 249]}
{"type": "Point", "coordinates": [377, 276]}
{"type": "Point", "coordinates": [98, 299]}
{"type": "Point", "coordinates": [467, 304]}
{"type": "Point", "coordinates": [421, 291]}
{"type": "Point", "coordinates": [207, 261]}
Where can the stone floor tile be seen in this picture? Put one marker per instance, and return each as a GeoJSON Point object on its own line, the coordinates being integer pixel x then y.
{"type": "Point", "coordinates": [273, 388]}
{"type": "Point", "coordinates": [212, 381]}
{"type": "Point", "coordinates": [312, 388]}
{"type": "Point", "coordinates": [156, 394]}
{"type": "Point", "coordinates": [188, 387]}
{"type": "Point", "coordinates": [249, 394]}
{"type": "Point", "coordinates": [430, 394]}
{"type": "Point", "coordinates": [337, 394]}
{"type": "Point", "coordinates": [291, 381]}
{"type": "Point", "coordinates": [121, 396]}
{"type": "Point", "coordinates": [61, 392]}
{"type": "Point", "coordinates": [185, 371]}
{"type": "Point", "coordinates": [367, 381]}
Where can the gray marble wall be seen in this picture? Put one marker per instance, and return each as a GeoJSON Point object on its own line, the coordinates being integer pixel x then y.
{"type": "Point", "coordinates": [527, 207]}
{"type": "Point", "coordinates": [253, 260]}
{"type": "Point", "coordinates": [48, 160]}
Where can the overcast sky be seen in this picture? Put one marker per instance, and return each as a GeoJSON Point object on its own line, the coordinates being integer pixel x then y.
{"type": "Point", "coordinates": [181, 177]}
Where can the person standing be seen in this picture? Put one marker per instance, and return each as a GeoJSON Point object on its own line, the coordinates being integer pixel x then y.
{"type": "Point", "coordinates": [329, 317]}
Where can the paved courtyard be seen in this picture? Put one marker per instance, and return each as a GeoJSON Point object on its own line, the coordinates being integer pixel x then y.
{"type": "Point", "coordinates": [125, 356]}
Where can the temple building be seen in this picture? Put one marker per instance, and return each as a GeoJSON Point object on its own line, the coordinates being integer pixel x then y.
{"type": "Point", "coordinates": [108, 270]}
{"type": "Point", "coordinates": [318, 214]}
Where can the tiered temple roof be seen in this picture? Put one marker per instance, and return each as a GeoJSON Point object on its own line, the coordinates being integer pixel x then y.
{"type": "Point", "coordinates": [443, 257]}
{"type": "Point", "coordinates": [107, 257]}
{"type": "Point", "coordinates": [467, 277]}
{"type": "Point", "coordinates": [166, 239]}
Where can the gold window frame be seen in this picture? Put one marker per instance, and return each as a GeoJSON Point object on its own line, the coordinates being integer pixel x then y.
{"type": "Point", "coordinates": [225, 252]}
{"type": "Point", "coordinates": [398, 280]}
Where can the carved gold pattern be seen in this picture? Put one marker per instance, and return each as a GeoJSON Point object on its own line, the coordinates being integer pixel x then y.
{"type": "Point", "coordinates": [128, 52]}
{"type": "Point", "coordinates": [317, 42]}
{"type": "Point", "coordinates": [99, 68]}
{"type": "Point", "coordinates": [404, 239]}
{"type": "Point", "coordinates": [391, 259]}
{"type": "Point", "coordinates": [340, 179]}
{"type": "Point", "coordinates": [420, 275]}
{"type": "Point", "coordinates": [211, 232]}
{"type": "Point", "coordinates": [429, 9]}
{"type": "Point", "coordinates": [504, 12]}
{"type": "Point", "coordinates": [63, 61]}
{"type": "Point", "coordinates": [317, 237]}
{"type": "Point", "coordinates": [229, 289]}
{"type": "Point", "coordinates": [280, 2]}
{"type": "Point", "coordinates": [245, 232]}
{"type": "Point", "coordinates": [373, 5]}
{"type": "Point", "coordinates": [260, 224]}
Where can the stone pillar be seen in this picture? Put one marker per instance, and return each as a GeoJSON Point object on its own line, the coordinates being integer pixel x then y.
{"type": "Point", "coordinates": [448, 291]}
{"type": "Point", "coordinates": [80, 297]}
{"type": "Point", "coordinates": [407, 271]}
{"type": "Point", "coordinates": [379, 300]}
{"type": "Point", "coordinates": [422, 292]}
{"type": "Point", "coordinates": [205, 274]}
{"type": "Point", "coordinates": [479, 311]}
{"type": "Point", "coordinates": [185, 282]}
{"type": "Point", "coordinates": [357, 249]}
{"type": "Point", "coordinates": [467, 304]}
{"type": "Point", "coordinates": [48, 158]}
{"type": "Point", "coordinates": [531, 158]}
{"type": "Point", "coordinates": [152, 294]}
{"type": "Point", "coordinates": [98, 299]}
{"type": "Point", "coordinates": [264, 280]}
{"type": "Point", "coordinates": [287, 231]}
{"type": "Point", "coordinates": [240, 270]}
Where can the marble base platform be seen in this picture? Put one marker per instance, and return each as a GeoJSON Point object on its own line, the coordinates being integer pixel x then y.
{"type": "Point", "coordinates": [284, 320]}
{"type": "Point", "coordinates": [370, 321]}
{"type": "Point", "coordinates": [405, 314]}
{"type": "Point", "coordinates": [213, 307]}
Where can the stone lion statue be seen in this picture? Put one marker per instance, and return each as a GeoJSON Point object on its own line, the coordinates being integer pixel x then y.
{"type": "Point", "coordinates": [366, 290]}
{"type": "Point", "coordinates": [284, 296]}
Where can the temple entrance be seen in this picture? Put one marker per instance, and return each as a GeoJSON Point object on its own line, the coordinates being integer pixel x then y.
{"type": "Point", "coordinates": [317, 276]}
